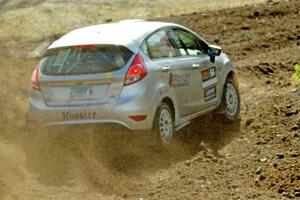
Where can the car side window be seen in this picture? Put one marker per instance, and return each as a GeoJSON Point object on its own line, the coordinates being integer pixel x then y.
{"type": "Point", "coordinates": [187, 43]}
{"type": "Point", "coordinates": [158, 45]}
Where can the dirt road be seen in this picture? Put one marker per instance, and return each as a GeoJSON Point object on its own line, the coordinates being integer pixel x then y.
{"type": "Point", "coordinates": [255, 159]}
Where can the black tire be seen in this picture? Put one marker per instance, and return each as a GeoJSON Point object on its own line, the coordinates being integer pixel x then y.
{"type": "Point", "coordinates": [158, 138]}
{"type": "Point", "coordinates": [223, 111]}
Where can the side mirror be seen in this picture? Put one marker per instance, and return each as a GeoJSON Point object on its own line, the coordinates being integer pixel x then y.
{"type": "Point", "coordinates": [213, 52]}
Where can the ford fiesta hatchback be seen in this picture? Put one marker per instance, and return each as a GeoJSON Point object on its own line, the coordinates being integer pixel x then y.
{"type": "Point", "coordinates": [143, 75]}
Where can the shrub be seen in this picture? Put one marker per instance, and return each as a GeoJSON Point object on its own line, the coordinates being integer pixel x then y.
{"type": "Point", "coordinates": [296, 75]}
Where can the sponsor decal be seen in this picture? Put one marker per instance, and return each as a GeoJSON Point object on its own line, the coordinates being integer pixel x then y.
{"type": "Point", "coordinates": [179, 80]}
{"type": "Point", "coordinates": [67, 116]}
{"type": "Point", "coordinates": [208, 74]}
{"type": "Point", "coordinates": [210, 93]}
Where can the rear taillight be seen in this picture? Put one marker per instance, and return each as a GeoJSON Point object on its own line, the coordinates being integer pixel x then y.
{"type": "Point", "coordinates": [136, 72]}
{"type": "Point", "coordinates": [34, 78]}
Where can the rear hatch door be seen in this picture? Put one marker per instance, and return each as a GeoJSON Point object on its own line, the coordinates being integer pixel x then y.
{"type": "Point", "coordinates": [84, 74]}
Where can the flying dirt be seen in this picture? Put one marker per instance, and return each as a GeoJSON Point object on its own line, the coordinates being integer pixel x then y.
{"type": "Point", "coordinates": [256, 158]}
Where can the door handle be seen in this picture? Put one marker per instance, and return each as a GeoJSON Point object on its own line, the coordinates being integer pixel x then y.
{"type": "Point", "coordinates": [165, 68]}
{"type": "Point", "coordinates": [195, 66]}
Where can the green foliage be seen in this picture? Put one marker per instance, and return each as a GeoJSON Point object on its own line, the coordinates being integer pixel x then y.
{"type": "Point", "coordinates": [296, 75]}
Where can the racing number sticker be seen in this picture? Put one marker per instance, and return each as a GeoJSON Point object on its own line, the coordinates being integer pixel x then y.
{"type": "Point", "coordinates": [212, 72]}
{"type": "Point", "coordinates": [208, 74]}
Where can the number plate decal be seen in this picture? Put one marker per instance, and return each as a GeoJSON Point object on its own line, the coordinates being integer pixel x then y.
{"type": "Point", "coordinates": [82, 92]}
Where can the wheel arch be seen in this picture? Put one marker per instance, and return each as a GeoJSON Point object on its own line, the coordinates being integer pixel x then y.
{"type": "Point", "coordinates": [232, 75]}
{"type": "Point", "coordinates": [228, 71]}
{"type": "Point", "coordinates": [170, 103]}
{"type": "Point", "coordinates": [229, 74]}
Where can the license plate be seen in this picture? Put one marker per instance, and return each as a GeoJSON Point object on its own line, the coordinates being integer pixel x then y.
{"type": "Point", "coordinates": [82, 92]}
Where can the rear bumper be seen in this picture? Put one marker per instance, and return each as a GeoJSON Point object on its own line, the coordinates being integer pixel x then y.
{"type": "Point", "coordinates": [118, 112]}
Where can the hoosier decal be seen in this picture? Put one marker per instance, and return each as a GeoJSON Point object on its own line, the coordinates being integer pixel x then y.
{"type": "Point", "coordinates": [67, 116]}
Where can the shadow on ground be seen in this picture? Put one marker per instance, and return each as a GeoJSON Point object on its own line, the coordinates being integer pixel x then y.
{"type": "Point", "coordinates": [214, 133]}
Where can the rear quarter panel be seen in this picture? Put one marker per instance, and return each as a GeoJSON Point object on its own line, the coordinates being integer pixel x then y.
{"type": "Point", "coordinates": [159, 84]}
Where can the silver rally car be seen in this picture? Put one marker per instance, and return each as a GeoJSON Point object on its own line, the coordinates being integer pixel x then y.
{"type": "Point", "coordinates": [143, 75]}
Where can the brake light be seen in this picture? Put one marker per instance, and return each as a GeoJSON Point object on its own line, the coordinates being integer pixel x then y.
{"type": "Point", "coordinates": [35, 79]}
{"type": "Point", "coordinates": [136, 72]}
{"type": "Point", "coordinates": [84, 46]}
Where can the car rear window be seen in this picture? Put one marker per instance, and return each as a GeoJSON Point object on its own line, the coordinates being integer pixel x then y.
{"type": "Point", "coordinates": [85, 59]}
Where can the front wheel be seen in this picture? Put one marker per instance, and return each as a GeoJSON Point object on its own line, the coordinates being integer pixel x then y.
{"type": "Point", "coordinates": [163, 125]}
{"type": "Point", "coordinates": [229, 109]}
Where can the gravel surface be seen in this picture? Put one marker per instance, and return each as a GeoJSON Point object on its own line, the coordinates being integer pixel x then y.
{"type": "Point", "coordinates": [256, 158]}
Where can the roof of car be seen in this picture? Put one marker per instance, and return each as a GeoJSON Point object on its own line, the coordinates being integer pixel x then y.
{"type": "Point", "coordinates": [127, 33]}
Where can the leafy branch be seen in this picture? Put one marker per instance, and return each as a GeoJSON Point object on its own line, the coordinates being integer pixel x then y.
{"type": "Point", "coordinates": [296, 75]}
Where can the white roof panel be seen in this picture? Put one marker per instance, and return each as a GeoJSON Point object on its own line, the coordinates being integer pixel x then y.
{"type": "Point", "coordinates": [127, 33]}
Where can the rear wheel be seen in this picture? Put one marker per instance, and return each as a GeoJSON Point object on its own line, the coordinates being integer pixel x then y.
{"type": "Point", "coordinates": [163, 125]}
{"type": "Point", "coordinates": [229, 109]}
